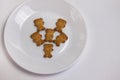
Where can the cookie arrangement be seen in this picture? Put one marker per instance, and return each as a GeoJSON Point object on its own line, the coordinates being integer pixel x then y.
{"type": "Point", "coordinates": [49, 34]}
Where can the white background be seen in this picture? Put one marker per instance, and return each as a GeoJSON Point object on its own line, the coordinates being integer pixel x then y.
{"type": "Point", "coordinates": [100, 59]}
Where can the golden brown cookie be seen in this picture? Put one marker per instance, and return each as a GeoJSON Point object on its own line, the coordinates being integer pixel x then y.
{"type": "Point", "coordinates": [48, 48]}
{"type": "Point", "coordinates": [60, 24]}
{"type": "Point", "coordinates": [39, 23]}
{"type": "Point", "coordinates": [49, 35]}
{"type": "Point", "coordinates": [37, 38]}
{"type": "Point", "coordinates": [60, 39]}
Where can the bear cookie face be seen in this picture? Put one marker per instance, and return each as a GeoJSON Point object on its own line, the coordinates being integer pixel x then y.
{"type": "Point", "coordinates": [39, 23]}
{"type": "Point", "coordinates": [48, 48]}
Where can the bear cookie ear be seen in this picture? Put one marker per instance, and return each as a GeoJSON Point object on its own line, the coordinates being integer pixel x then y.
{"type": "Point", "coordinates": [39, 23]}
{"type": "Point", "coordinates": [60, 24]}
{"type": "Point", "coordinates": [49, 34]}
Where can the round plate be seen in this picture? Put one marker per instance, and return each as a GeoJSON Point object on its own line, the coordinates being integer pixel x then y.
{"type": "Point", "coordinates": [20, 26]}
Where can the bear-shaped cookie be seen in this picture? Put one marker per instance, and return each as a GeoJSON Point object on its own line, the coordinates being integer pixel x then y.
{"type": "Point", "coordinates": [60, 24]}
{"type": "Point", "coordinates": [60, 39]}
{"type": "Point", "coordinates": [37, 38]}
{"type": "Point", "coordinates": [48, 48]}
{"type": "Point", "coordinates": [39, 23]}
{"type": "Point", "coordinates": [49, 35]}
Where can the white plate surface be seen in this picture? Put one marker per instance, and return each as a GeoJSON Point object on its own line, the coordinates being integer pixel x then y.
{"type": "Point", "coordinates": [20, 26]}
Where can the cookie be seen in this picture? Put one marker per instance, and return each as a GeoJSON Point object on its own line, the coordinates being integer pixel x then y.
{"type": "Point", "coordinates": [60, 39]}
{"type": "Point", "coordinates": [60, 24]}
{"type": "Point", "coordinates": [37, 38]}
{"type": "Point", "coordinates": [48, 48]}
{"type": "Point", "coordinates": [39, 23]}
{"type": "Point", "coordinates": [49, 35]}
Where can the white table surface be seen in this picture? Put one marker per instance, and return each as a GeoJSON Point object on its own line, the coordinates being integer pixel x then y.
{"type": "Point", "coordinates": [100, 59]}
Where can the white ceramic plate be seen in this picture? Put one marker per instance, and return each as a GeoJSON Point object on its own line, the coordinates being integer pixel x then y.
{"type": "Point", "coordinates": [20, 26]}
